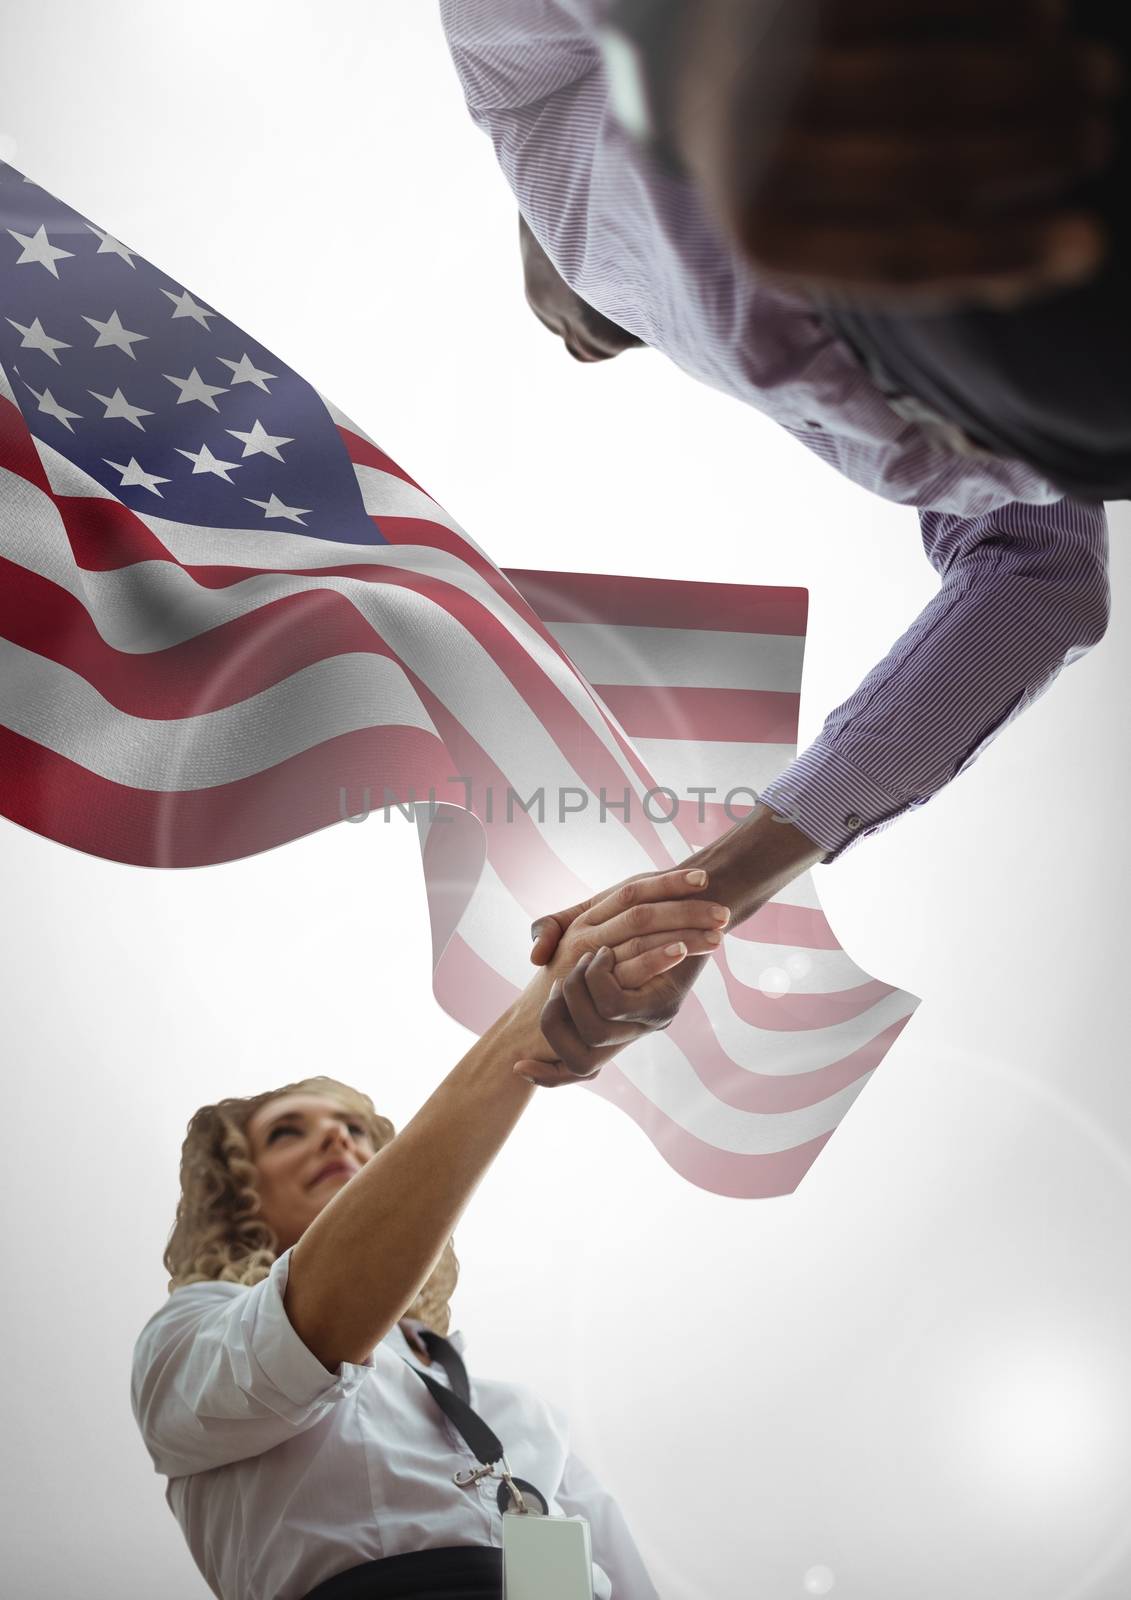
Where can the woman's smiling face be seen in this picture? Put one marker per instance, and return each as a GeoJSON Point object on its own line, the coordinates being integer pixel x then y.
{"type": "Point", "coordinates": [304, 1147]}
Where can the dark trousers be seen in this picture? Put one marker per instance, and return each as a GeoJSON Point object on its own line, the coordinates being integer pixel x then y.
{"type": "Point", "coordinates": [463, 1573]}
{"type": "Point", "coordinates": [1050, 383]}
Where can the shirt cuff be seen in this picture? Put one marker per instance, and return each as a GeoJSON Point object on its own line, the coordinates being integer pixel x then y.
{"type": "Point", "coordinates": [830, 800]}
{"type": "Point", "coordinates": [285, 1361]}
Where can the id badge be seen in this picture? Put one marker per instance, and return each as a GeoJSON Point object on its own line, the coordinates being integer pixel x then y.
{"type": "Point", "coordinates": [546, 1558]}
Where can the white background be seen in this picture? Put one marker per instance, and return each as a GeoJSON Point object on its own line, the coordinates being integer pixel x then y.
{"type": "Point", "coordinates": [913, 1377]}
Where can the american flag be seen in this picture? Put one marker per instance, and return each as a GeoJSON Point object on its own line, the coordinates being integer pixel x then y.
{"type": "Point", "coordinates": [228, 618]}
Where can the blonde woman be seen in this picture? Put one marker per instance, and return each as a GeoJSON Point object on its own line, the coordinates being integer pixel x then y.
{"type": "Point", "coordinates": [284, 1387]}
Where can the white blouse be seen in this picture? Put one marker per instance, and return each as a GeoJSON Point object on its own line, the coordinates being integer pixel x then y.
{"type": "Point", "coordinates": [282, 1473]}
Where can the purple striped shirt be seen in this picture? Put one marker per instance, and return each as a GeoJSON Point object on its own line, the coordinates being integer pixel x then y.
{"type": "Point", "coordinates": [1024, 572]}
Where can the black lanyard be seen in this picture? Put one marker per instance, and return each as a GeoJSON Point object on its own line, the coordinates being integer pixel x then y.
{"type": "Point", "coordinates": [479, 1437]}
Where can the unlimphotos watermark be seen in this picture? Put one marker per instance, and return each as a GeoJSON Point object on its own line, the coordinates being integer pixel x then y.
{"type": "Point", "coordinates": [659, 805]}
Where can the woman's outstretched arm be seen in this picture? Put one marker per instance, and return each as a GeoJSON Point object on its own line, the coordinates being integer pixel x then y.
{"type": "Point", "coordinates": [364, 1258]}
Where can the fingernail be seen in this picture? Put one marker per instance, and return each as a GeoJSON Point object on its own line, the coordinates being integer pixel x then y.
{"type": "Point", "coordinates": [698, 877]}
{"type": "Point", "coordinates": [720, 915]}
{"type": "Point", "coordinates": [713, 938]}
{"type": "Point", "coordinates": [586, 959]}
{"type": "Point", "coordinates": [675, 950]}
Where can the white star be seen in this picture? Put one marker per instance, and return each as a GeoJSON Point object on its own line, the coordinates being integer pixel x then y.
{"type": "Point", "coordinates": [135, 476]}
{"type": "Point", "coordinates": [38, 248]}
{"type": "Point", "coordinates": [275, 508]}
{"type": "Point", "coordinates": [194, 388]}
{"type": "Point", "coordinates": [51, 408]}
{"type": "Point", "coordinates": [112, 333]}
{"type": "Point", "coordinates": [34, 338]}
{"type": "Point", "coordinates": [108, 245]}
{"type": "Point", "coordinates": [118, 406]}
{"type": "Point", "coordinates": [245, 371]}
{"type": "Point", "coordinates": [187, 307]}
{"type": "Point", "coordinates": [259, 442]}
{"type": "Point", "coordinates": [204, 461]}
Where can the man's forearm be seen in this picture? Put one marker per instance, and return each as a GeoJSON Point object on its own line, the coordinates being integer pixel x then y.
{"type": "Point", "coordinates": [757, 858]}
{"type": "Point", "coordinates": [1025, 592]}
{"type": "Point", "coordinates": [363, 1259]}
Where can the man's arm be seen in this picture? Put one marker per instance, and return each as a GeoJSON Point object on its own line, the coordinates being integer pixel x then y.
{"type": "Point", "coordinates": [1024, 593]}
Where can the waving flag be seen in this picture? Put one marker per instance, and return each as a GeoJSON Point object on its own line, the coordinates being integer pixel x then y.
{"type": "Point", "coordinates": [228, 618]}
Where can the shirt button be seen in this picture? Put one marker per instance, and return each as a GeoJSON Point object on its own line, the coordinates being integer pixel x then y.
{"type": "Point", "coordinates": [852, 820]}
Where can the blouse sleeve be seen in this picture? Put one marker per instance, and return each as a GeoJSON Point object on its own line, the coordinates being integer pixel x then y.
{"type": "Point", "coordinates": [219, 1375]}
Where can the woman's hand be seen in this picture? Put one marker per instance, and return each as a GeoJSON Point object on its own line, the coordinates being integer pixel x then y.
{"type": "Point", "coordinates": [641, 930]}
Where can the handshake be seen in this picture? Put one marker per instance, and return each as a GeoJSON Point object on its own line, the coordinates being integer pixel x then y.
{"type": "Point", "coordinates": [614, 968]}
{"type": "Point", "coordinates": [620, 965]}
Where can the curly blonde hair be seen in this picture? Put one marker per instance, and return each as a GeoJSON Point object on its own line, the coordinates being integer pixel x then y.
{"type": "Point", "coordinates": [219, 1232]}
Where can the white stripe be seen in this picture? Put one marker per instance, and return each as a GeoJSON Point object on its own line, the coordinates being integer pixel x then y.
{"type": "Point", "coordinates": [682, 658]}
{"type": "Point", "coordinates": [385, 495]}
{"type": "Point", "coordinates": [339, 417]}
{"type": "Point", "coordinates": [54, 707]}
{"type": "Point", "coordinates": [725, 769]}
{"type": "Point", "coordinates": [761, 965]}
{"type": "Point", "coordinates": [662, 1073]}
{"type": "Point", "coordinates": [6, 391]}
{"type": "Point", "coordinates": [787, 1053]}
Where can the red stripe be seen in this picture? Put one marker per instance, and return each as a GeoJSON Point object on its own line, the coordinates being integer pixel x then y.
{"type": "Point", "coordinates": [741, 1177]}
{"type": "Point", "coordinates": [364, 453]}
{"type": "Point", "coordinates": [419, 531]}
{"type": "Point", "coordinates": [744, 1090]}
{"type": "Point", "coordinates": [728, 1082]}
{"type": "Point", "coordinates": [662, 602]}
{"type": "Point", "coordinates": [469, 989]}
{"type": "Point", "coordinates": [106, 535]}
{"type": "Point", "coordinates": [748, 716]}
{"type": "Point", "coordinates": [799, 927]}
{"type": "Point", "coordinates": [63, 801]}
{"type": "Point", "coordinates": [229, 663]}
{"type": "Point", "coordinates": [17, 448]}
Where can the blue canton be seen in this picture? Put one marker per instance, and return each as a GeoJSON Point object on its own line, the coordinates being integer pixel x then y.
{"type": "Point", "coordinates": [174, 410]}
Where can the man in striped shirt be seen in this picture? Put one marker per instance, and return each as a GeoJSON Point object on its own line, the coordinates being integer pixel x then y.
{"type": "Point", "coordinates": [1024, 582]}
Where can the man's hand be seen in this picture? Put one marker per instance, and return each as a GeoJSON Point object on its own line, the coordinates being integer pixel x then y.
{"type": "Point", "coordinates": [588, 336]}
{"type": "Point", "coordinates": [911, 151]}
